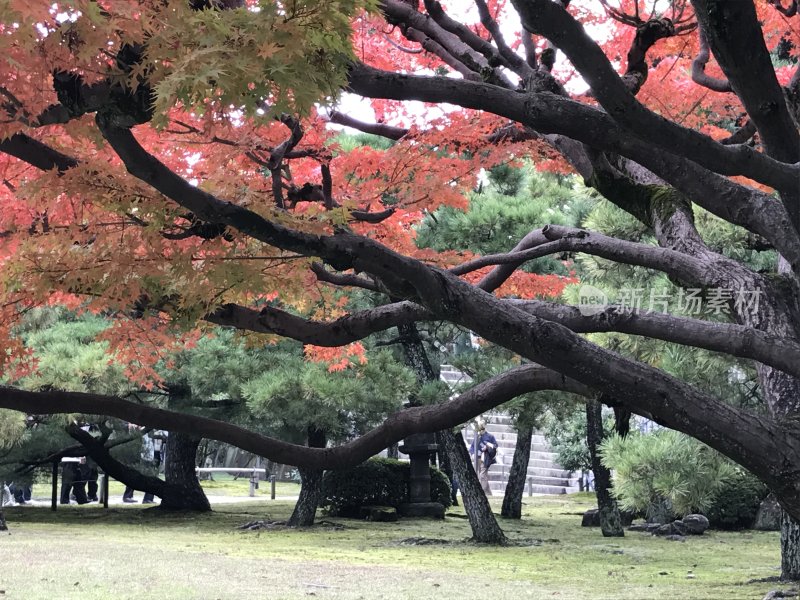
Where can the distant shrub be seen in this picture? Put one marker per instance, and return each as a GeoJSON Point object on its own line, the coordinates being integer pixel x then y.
{"type": "Point", "coordinates": [378, 481]}
{"type": "Point", "coordinates": [737, 501]}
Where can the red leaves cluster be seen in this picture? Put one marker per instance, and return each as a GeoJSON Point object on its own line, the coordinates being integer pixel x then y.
{"type": "Point", "coordinates": [337, 359]}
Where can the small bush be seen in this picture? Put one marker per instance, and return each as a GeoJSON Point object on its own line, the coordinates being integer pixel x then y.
{"type": "Point", "coordinates": [378, 481]}
{"type": "Point", "coordinates": [737, 502]}
{"type": "Point", "coordinates": [667, 474]}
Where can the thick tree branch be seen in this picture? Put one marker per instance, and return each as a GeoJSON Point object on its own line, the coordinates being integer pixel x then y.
{"type": "Point", "coordinates": [381, 129]}
{"type": "Point", "coordinates": [736, 340]}
{"type": "Point", "coordinates": [560, 239]}
{"type": "Point", "coordinates": [437, 49]}
{"type": "Point", "coordinates": [366, 216]}
{"type": "Point", "coordinates": [494, 56]}
{"type": "Point", "coordinates": [36, 153]}
{"type": "Point", "coordinates": [275, 162]}
{"type": "Point", "coordinates": [100, 454]}
{"type": "Point", "coordinates": [468, 405]}
{"type": "Point", "coordinates": [647, 34]}
{"type": "Point", "coordinates": [340, 332]}
{"type": "Point", "coordinates": [741, 135]}
{"type": "Point", "coordinates": [345, 279]}
{"type": "Point", "coordinates": [699, 75]}
{"type": "Point", "coordinates": [530, 49]}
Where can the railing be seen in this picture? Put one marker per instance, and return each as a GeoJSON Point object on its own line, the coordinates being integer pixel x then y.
{"type": "Point", "coordinates": [254, 473]}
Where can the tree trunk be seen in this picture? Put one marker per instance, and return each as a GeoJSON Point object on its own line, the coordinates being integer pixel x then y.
{"type": "Point", "coordinates": [610, 521]}
{"type": "Point", "coordinates": [180, 474]}
{"type": "Point", "coordinates": [515, 488]}
{"type": "Point", "coordinates": [447, 467]}
{"type": "Point", "coordinates": [790, 548]}
{"type": "Point", "coordinates": [782, 395]}
{"type": "Point", "coordinates": [393, 451]}
{"type": "Point", "coordinates": [310, 486]}
{"type": "Point", "coordinates": [172, 495]}
{"type": "Point", "coordinates": [484, 526]}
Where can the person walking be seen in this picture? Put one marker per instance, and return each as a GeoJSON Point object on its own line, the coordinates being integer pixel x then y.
{"type": "Point", "coordinates": [155, 443]}
{"type": "Point", "coordinates": [487, 448]}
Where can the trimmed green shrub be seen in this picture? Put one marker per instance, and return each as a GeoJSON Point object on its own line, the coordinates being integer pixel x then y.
{"type": "Point", "coordinates": [378, 481]}
{"type": "Point", "coordinates": [737, 502]}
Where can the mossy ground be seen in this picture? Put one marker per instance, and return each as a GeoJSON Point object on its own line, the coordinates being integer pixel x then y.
{"type": "Point", "coordinates": [129, 552]}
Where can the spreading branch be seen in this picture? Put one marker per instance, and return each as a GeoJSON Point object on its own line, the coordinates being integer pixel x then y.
{"type": "Point", "coordinates": [468, 405]}
{"type": "Point", "coordinates": [736, 340]}
{"type": "Point", "coordinates": [547, 18]}
{"type": "Point", "coordinates": [570, 239]}
{"type": "Point", "coordinates": [548, 113]}
{"type": "Point", "coordinates": [699, 75]}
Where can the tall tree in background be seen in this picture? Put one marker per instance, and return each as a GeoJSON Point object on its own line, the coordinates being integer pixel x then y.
{"type": "Point", "coordinates": [135, 135]}
{"type": "Point", "coordinates": [307, 403]}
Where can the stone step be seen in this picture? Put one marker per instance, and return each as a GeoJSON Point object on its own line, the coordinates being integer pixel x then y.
{"type": "Point", "coordinates": [543, 466]}
{"type": "Point", "coordinates": [536, 479]}
{"type": "Point", "coordinates": [548, 489]}
{"type": "Point", "coordinates": [538, 455]}
{"type": "Point", "coordinates": [498, 489]}
{"type": "Point", "coordinates": [539, 480]}
{"type": "Point", "coordinates": [499, 471]}
{"type": "Point", "coordinates": [499, 419]}
{"type": "Point", "coordinates": [495, 429]}
{"type": "Point", "coordinates": [554, 472]}
{"type": "Point", "coordinates": [509, 442]}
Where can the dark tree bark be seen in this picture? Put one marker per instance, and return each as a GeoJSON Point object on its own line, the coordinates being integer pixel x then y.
{"type": "Point", "coordinates": [414, 352]}
{"type": "Point", "coordinates": [515, 488]}
{"type": "Point", "coordinates": [481, 519]}
{"type": "Point", "coordinates": [310, 487]}
{"type": "Point", "coordinates": [610, 521]}
{"type": "Point", "coordinates": [180, 474]}
{"type": "Point", "coordinates": [790, 548]}
{"type": "Point", "coordinates": [622, 421]}
{"type": "Point", "coordinates": [446, 466]}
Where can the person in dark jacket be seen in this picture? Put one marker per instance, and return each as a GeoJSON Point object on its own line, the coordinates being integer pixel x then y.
{"type": "Point", "coordinates": [487, 447]}
{"type": "Point", "coordinates": [73, 482]}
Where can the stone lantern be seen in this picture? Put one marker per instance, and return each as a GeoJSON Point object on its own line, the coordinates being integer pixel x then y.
{"type": "Point", "coordinates": [419, 447]}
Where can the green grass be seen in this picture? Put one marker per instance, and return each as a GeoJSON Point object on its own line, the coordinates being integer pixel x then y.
{"type": "Point", "coordinates": [127, 552]}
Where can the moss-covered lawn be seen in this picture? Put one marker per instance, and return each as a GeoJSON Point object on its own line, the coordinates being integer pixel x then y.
{"type": "Point", "coordinates": [128, 552]}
